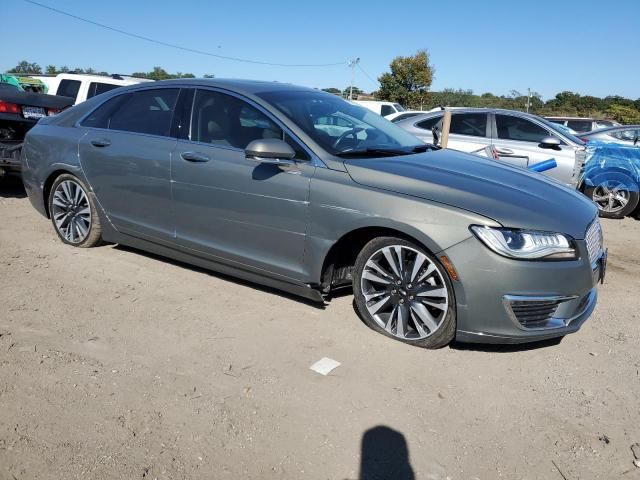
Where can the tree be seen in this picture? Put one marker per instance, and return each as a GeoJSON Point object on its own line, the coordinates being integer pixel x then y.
{"type": "Point", "coordinates": [51, 70]}
{"type": "Point", "coordinates": [356, 91]}
{"type": "Point", "coordinates": [159, 73]}
{"type": "Point", "coordinates": [208, 75]}
{"type": "Point", "coordinates": [335, 91]}
{"type": "Point", "coordinates": [409, 80]}
{"type": "Point", "coordinates": [26, 67]}
{"type": "Point", "coordinates": [623, 114]}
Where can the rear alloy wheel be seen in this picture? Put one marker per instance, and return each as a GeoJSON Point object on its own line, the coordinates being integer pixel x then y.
{"type": "Point", "coordinates": [404, 292]}
{"type": "Point", "coordinates": [616, 196]}
{"type": "Point", "coordinates": [72, 212]}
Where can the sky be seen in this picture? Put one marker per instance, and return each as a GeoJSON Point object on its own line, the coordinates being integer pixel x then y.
{"type": "Point", "coordinates": [590, 47]}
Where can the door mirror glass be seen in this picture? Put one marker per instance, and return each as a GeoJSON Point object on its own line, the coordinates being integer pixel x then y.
{"type": "Point", "coordinates": [550, 142]}
{"type": "Point", "coordinates": [269, 150]}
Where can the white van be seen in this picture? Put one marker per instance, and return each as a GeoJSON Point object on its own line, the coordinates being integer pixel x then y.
{"type": "Point", "coordinates": [381, 108]}
{"type": "Point", "coordinates": [83, 87]}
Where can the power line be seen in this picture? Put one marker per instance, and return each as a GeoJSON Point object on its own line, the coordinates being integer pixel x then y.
{"type": "Point", "coordinates": [171, 45]}
{"type": "Point", "coordinates": [368, 76]}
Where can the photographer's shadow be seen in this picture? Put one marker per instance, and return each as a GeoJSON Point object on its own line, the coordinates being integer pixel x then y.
{"type": "Point", "coordinates": [384, 455]}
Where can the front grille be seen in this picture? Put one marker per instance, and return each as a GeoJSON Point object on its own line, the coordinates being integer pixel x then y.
{"type": "Point", "coordinates": [534, 313]}
{"type": "Point", "coordinates": [593, 238]}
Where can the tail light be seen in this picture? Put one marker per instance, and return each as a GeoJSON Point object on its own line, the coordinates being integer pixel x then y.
{"type": "Point", "coordinates": [584, 140]}
{"type": "Point", "coordinates": [53, 111]}
{"type": "Point", "coordinates": [6, 107]}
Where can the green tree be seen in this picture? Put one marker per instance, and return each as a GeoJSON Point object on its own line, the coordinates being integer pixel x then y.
{"type": "Point", "coordinates": [623, 114]}
{"type": "Point", "coordinates": [26, 67]}
{"type": "Point", "coordinates": [335, 91]}
{"type": "Point", "coordinates": [51, 70]}
{"type": "Point", "coordinates": [409, 80]}
{"type": "Point", "coordinates": [356, 91]}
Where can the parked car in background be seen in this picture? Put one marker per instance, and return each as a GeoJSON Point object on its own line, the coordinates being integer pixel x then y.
{"type": "Point", "coordinates": [381, 108]}
{"type": "Point", "coordinates": [518, 138]}
{"type": "Point", "coordinates": [396, 117]}
{"type": "Point", "coordinates": [19, 112]}
{"type": "Point", "coordinates": [582, 125]}
{"type": "Point", "coordinates": [625, 135]}
{"type": "Point", "coordinates": [82, 87]}
{"type": "Point", "coordinates": [243, 177]}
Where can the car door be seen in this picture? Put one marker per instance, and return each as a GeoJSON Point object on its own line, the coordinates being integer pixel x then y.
{"type": "Point", "coordinates": [517, 141]}
{"type": "Point", "coordinates": [126, 158]}
{"type": "Point", "coordinates": [248, 214]}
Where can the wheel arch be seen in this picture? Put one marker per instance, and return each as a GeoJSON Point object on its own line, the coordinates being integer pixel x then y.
{"type": "Point", "coordinates": [48, 183]}
{"type": "Point", "coordinates": [338, 263]}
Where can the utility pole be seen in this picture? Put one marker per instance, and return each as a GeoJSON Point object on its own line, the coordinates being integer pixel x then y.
{"type": "Point", "coordinates": [353, 63]}
{"type": "Point", "coordinates": [528, 99]}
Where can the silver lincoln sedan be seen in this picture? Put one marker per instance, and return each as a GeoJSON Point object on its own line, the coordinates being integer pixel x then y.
{"type": "Point", "coordinates": [302, 191]}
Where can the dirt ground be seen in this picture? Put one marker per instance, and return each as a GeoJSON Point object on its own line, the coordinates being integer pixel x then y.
{"type": "Point", "coordinates": [116, 364]}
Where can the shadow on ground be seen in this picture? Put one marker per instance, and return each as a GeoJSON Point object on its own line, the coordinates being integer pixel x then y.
{"type": "Point", "coordinates": [229, 278]}
{"type": "Point", "coordinates": [384, 455]}
{"type": "Point", "coordinates": [11, 187]}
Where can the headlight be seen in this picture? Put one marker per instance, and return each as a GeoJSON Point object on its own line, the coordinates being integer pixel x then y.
{"type": "Point", "coordinates": [526, 244]}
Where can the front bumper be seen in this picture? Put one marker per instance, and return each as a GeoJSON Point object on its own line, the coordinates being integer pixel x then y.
{"type": "Point", "coordinates": [501, 300]}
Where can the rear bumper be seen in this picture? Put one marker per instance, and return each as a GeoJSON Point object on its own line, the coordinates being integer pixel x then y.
{"type": "Point", "coordinates": [10, 156]}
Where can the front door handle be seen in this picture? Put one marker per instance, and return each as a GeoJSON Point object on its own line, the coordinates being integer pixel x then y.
{"type": "Point", "coordinates": [504, 151]}
{"type": "Point", "coordinates": [194, 157]}
{"type": "Point", "coordinates": [100, 142]}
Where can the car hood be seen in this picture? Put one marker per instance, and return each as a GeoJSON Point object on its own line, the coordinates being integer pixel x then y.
{"type": "Point", "coordinates": [511, 196]}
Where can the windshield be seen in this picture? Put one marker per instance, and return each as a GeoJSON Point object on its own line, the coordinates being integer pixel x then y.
{"type": "Point", "coordinates": [562, 130]}
{"type": "Point", "coordinates": [338, 126]}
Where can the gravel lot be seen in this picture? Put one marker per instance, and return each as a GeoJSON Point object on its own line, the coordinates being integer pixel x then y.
{"type": "Point", "coordinates": [118, 364]}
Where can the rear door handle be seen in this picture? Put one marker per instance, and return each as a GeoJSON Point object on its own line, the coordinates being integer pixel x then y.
{"type": "Point", "coordinates": [194, 157]}
{"type": "Point", "coordinates": [100, 142]}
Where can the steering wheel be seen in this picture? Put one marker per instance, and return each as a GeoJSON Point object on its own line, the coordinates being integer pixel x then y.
{"type": "Point", "coordinates": [353, 132]}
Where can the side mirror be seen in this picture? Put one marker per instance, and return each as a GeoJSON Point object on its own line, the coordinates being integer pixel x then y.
{"type": "Point", "coordinates": [550, 142]}
{"type": "Point", "coordinates": [271, 151]}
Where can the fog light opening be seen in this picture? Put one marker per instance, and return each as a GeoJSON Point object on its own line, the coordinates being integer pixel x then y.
{"type": "Point", "coordinates": [449, 267]}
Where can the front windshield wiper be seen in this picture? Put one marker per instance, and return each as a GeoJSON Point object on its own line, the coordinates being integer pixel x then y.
{"type": "Point", "coordinates": [388, 152]}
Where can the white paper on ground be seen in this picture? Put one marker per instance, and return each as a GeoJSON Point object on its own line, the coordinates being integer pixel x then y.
{"type": "Point", "coordinates": [324, 365]}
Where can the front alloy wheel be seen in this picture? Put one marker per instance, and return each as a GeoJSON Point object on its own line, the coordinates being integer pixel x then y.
{"type": "Point", "coordinates": [404, 292]}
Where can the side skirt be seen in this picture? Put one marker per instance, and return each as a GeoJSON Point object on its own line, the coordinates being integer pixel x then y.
{"type": "Point", "coordinates": [301, 290]}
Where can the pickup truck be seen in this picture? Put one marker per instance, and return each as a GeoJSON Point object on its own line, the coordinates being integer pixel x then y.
{"type": "Point", "coordinates": [19, 111]}
{"type": "Point", "coordinates": [82, 87]}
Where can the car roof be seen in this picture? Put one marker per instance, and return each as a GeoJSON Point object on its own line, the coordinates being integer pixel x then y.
{"type": "Point", "coordinates": [610, 129]}
{"type": "Point", "coordinates": [250, 87]}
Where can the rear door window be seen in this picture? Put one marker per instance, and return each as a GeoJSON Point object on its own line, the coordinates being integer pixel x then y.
{"type": "Point", "coordinates": [96, 88]}
{"type": "Point", "coordinates": [472, 124]}
{"type": "Point", "coordinates": [147, 111]}
{"type": "Point", "coordinates": [580, 126]}
{"type": "Point", "coordinates": [68, 88]}
{"type": "Point", "coordinates": [429, 123]}
{"type": "Point", "coordinates": [520, 129]}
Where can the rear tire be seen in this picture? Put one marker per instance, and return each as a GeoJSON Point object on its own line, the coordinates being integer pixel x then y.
{"type": "Point", "coordinates": [73, 212]}
{"type": "Point", "coordinates": [615, 194]}
{"type": "Point", "coordinates": [403, 292]}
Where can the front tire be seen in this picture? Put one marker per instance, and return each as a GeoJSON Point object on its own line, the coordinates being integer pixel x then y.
{"type": "Point", "coordinates": [73, 212]}
{"type": "Point", "coordinates": [403, 292]}
{"type": "Point", "coordinates": [615, 194]}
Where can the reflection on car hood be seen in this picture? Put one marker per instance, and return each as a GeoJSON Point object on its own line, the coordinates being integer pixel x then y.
{"type": "Point", "coordinates": [509, 195]}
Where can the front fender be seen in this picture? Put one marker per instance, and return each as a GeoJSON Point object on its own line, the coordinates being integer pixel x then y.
{"type": "Point", "coordinates": [339, 206]}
